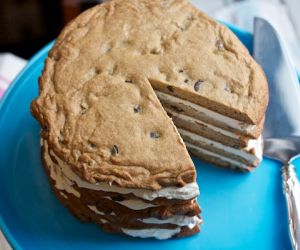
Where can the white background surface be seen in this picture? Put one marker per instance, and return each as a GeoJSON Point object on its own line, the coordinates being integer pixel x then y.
{"type": "Point", "coordinates": [284, 15]}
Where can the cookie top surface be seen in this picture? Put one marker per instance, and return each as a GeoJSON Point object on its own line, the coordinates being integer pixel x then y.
{"type": "Point", "coordinates": [96, 104]}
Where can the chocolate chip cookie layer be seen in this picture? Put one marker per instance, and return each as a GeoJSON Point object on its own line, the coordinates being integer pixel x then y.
{"type": "Point", "coordinates": [100, 111]}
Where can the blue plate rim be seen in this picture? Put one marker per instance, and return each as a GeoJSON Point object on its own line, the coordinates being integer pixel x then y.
{"type": "Point", "coordinates": [13, 87]}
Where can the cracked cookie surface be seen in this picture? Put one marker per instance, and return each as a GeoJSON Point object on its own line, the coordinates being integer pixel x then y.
{"type": "Point", "coordinates": [96, 103]}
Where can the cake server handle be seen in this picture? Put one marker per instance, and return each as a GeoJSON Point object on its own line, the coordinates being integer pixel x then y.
{"type": "Point", "coordinates": [291, 188]}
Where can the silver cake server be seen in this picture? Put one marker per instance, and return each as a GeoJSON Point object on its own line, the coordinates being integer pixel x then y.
{"type": "Point", "coordinates": [282, 127]}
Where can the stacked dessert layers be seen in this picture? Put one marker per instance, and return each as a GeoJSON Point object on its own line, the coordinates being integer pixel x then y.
{"type": "Point", "coordinates": [215, 137]}
{"type": "Point", "coordinates": [112, 153]}
{"type": "Point", "coordinates": [139, 212]}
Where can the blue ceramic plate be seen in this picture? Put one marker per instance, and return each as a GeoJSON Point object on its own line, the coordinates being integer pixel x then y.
{"type": "Point", "coordinates": [240, 211]}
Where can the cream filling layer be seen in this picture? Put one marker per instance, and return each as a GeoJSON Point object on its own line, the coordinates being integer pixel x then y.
{"type": "Point", "coordinates": [196, 121]}
{"type": "Point", "coordinates": [63, 195]}
{"type": "Point", "coordinates": [179, 220]}
{"type": "Point", "coordinates": [187, 192]}
{"type": "Point", "coordinates": [218, 156]}
{"type": "Point", "coordinates": [134, 204]}
{"type": "Point", "coordinates": [94, 209]}
{"type": "Point", "coordinates": [255, 145]}
{"type": "Point", "coordinates": [63, 183]}
{"type": "Point", "coordinates": [158, 233]}
{"type": "Point", "coordinates": [228, 121]}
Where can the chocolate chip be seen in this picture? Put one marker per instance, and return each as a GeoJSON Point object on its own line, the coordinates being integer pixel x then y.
{"type": "Point", "coordinates": [180, 71]}
{"type": "Point", "coordinates": [191, 18]}
{"type": "Point", "coordinates": [219, 44]}
{"type": "Point", "coordinates": [154, 135]}
{"type": "Point", "coordinates": [128, 81]}
{"type": "Point", "coordinates": [186, 80]}
{"type": "Point", "coordinates": [114, 150]}
{"type": "Point", "coordinates": [197, 85]}
{"type": "Point", "coordinates": [155, 51]}
{"type": "Point", "coordinates": [227, 89]}
{"type": "Point", "coordinates": [98, 71]}
{"type": "Point", "coordinates": [83, 107]}
{"type": "Point", "coordinates": [179, 185]}
{"type": "Point", "coordinates": [46, 128]}
{"type": "Point", "coordinates": [92, 145]}
{"type": "Point", "coordinates": [170, 88]}
{"type": "Point", "coordinates": [137, 109]}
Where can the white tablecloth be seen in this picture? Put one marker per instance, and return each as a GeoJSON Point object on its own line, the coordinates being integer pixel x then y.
{"type": "Point", "coordinates": [10, 66]}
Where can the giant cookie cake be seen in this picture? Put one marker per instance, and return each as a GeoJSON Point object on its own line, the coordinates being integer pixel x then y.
{"type": "Point", "coordinates": [128, 85]}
